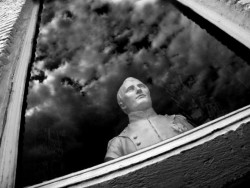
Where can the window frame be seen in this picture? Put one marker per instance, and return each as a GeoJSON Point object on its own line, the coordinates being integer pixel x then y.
{"type": "Point", "coordinates": [134, 161]}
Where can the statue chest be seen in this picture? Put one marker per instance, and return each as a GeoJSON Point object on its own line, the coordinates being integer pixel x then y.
{"type": "Point", "coordinates": [149, 131]}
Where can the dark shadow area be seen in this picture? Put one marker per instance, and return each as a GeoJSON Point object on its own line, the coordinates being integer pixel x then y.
{"type": "Point", "coordinates": [242, 182]}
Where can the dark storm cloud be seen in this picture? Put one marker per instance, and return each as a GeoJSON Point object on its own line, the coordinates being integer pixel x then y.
{"type": "Point", "coordinates": [87, 48]}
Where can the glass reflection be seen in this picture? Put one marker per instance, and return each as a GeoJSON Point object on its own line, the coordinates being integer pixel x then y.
{"type": "Point", "coordinates": [86, 49]}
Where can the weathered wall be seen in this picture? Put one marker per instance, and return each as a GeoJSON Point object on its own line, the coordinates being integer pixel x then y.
{"type": "Point", "coordinates": [212, 164]}
{"type": "Point", "coordinates": [12, 30]}
{"type": "Point", "coordinates": [9, 12]}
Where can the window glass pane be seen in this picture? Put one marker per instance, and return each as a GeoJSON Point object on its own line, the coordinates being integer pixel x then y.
{"type": "Point", "coordinates": [85, 49]}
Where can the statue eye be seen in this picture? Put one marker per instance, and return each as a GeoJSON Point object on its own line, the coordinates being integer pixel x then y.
{"type": "Point", "coordinates": [131, 88]}
{"type": "Point", "coordinates": [141, 86]}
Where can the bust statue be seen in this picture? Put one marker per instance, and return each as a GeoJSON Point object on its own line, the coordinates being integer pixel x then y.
{"type": "Point", "coordinates": [145, 127]}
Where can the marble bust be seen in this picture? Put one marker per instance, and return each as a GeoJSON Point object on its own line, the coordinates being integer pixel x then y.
{"type": "Point", "coordinates": [145, 127]}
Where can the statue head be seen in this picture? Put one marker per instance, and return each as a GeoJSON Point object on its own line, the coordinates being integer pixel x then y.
{"type": "Point", "coordinates": [133, 96]}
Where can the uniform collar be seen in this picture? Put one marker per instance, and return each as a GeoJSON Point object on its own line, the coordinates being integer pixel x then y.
{"type": "Point", "coordinates": [139, 115]}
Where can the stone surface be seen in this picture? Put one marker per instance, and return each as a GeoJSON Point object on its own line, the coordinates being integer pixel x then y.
{"type": "Point", "coordinates": [9, 12]}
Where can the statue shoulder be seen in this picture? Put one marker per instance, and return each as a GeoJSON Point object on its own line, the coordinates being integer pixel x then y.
{"type": "Point", "coordinates": [117, 139]}
{"type": "Point", "coordinates": [114, 141]}
{"type": "Point", "coordinates": [180, 123]}
{"type": "Point", "coordinates": [125, 132]}
{"type": "Point", "coordinates": [175, 117]}
{"type": "Point", "coordinates": [171, 118]}
{"type": "Point", "coordinates": [114, 149]}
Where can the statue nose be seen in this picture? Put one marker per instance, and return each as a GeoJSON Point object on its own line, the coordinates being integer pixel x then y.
{"type": "Point", "coordinates": [138, 90]}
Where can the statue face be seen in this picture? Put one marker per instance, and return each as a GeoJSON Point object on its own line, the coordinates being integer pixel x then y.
{"type": "Point", "coordinates": [135, 96]}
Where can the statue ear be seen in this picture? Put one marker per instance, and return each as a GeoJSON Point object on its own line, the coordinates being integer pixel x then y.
{"type": "Point", "coordinates": [122, 105]}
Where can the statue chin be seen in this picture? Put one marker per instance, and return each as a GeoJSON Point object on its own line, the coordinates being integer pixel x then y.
{"type": "Point", "coordinates": [143, 105]}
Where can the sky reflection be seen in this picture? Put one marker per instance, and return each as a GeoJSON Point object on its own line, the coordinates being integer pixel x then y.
{"type": "Point", "coordinates": [87, 48]}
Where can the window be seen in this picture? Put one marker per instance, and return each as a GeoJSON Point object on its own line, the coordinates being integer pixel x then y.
{"type": "Point", "coordinates": [85, 49]}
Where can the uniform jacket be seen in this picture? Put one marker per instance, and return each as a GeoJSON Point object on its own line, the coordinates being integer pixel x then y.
{"type": "Point", "coordinates": [145, 129]}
